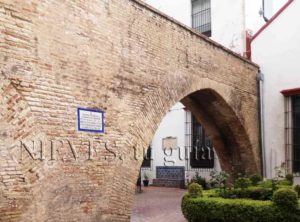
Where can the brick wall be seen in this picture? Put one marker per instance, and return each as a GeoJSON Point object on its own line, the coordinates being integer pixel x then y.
{"type": "Point", "coordinates": [126, 59]}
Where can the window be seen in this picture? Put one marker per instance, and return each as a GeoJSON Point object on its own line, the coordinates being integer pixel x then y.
{"type": "Point", "coordinates": [201, 16]}
{"type": "Point", "coordinates": [202, 154]}
{"type": "Point", "coordinates": [296, 133]}
{"type": "Point", "coordinates": [147, 159]}
{"type": "Point", "coordinates": [292, 133]}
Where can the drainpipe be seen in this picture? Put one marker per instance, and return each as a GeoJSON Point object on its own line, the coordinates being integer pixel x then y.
{"type": "Point", "coordinates": [263, 11]}
{"type": "Point", "coordinates": [260, 80]}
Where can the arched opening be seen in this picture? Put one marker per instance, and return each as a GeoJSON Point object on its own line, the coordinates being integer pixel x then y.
{"type": "Point", "coordinates": [225, 129]}
{"type": "Point", "coordinates": [213, 132]}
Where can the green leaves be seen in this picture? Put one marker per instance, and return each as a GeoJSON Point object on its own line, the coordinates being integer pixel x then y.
{"type": "Point", "coordinates": [207, 209]}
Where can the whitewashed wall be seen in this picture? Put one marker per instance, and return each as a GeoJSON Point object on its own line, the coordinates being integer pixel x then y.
{"type": "Point", "coordinates": [230, 18]}
{"type": "Point", "coordinates": [173, 125]}
{"type": "Point", "coordinates": [254, 21]}
{"type": "Point", "coordinates": [228, 23]}
{"type": "Point", "coordinates": [277, 51]}
{"type": "Point", "coordinates": [178, 9]}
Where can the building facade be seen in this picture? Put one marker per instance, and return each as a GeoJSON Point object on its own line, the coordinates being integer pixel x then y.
{"type": "Point", "coordinates": [276, 49]}
{"type": "Point", "coordinates": [229, 23]}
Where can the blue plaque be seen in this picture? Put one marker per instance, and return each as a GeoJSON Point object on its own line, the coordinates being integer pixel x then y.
{"type": "Point", "coordinates": [90, 120]}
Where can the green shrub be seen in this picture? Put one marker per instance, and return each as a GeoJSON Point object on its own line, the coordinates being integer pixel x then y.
{"type": "Point", "coordinates": [284, 183]}
{"type": "Point", "coordinates": [290, 177]}
{"type": "Point", "coordinates": [195, 190]}
{"type": "Point", "coordinates": [286, 199]}
{"type": "Point", "coordinates": [270, 183]}
{"type": "Point", "coordinates": [210, 193]}
{"type": "Point", "coordinates": [297, 189]}
{"type": "Point", "coordinates": [218, 179]}
{"type": "Point", "coordinates": [242, 183]}
{"type": "Point", "coordinates": [255, 179]}
{"type": "Point", "coordinates": [254, 193]}
{"type": "Point", "coordinates": [260, 193]}
{"type": "Point", "coordinates": [200, 180]}
{"type": "Point", "coordinates": [266, 184]}
{"type": "Point", "coordinates": [284, 186]}
{"type": "Point", "coordinates": [227, 210]}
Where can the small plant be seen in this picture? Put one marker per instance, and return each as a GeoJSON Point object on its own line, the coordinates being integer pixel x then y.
{"type": "Point", "coordinates": [146, 180]}
{"type": "Point", "coordinates": [266, 184]}
{"type": "Point", "coordinates": [290, 177]}
{"type": "Point", "coordinates": [284, 182]}
{"type": "Point", "coordinates": [219, 178]}
{"type": "Point", "coordinates": [200, 180]}
{"type": "Point", "coordinates": [286, 199]}
{"type": "Point", "coordinates": [297, 189]}
{"type": "Point", "coordinates": [255, 179]}
{"type": "Point", "coordinates": [242, 182]}
{"type": "Point", "coordinates": [281, 171]}
{"type": "Point", "coordinates": [195, 190]}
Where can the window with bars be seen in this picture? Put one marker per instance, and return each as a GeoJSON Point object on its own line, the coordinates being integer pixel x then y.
{"type": "Point", "coordinates": [296, 133]}
{"type": "Point", "coordinates": [202, 153]}
{"type": "Point", "coordinates": [201, 16]}
{"type": "Point", "coordinates": [292, 133]}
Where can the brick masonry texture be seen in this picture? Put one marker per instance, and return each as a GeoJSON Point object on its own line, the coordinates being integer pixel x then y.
{"type": "Point", "coordinates": [125, 58]}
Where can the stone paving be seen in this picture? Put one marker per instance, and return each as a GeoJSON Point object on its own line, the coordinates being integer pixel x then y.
{"type": "Point", "coordinates": [158, 204]}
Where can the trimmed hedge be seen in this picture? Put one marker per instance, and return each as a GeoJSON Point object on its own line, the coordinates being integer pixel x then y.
{"type": "Point", "coordinates": [255, 179]}
{"type": "Point", "coordinates": [195, 190]}
{"type": "Point", "coordinates": [254, 193]}
{"type": "Point", "coordinates": [238, 210]}
{"type": "Point", "coordinates": [297, 189]}
{"type": "Point", "coordinates": [286, 199]}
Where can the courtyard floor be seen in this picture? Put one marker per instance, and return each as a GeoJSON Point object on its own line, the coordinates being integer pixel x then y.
{"type": "Point", "coordinates": [158, 204]}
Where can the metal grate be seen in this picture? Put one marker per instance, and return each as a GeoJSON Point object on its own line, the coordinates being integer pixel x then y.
{"type": "Point", "coordinates": [202, 154]}
{"type": "Point", "coordinates": [292, 133]}
{"type": "Point", "coordinates": [296, 133]}
{"type": "Point", "coordinates": [201, 16]}
{"type": "Point", "coordinates": [198, 146]}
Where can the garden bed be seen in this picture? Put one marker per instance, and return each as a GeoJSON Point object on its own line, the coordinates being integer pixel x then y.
{"type": "Point", "coordinates": [249, 200]}
{"type": "Point", "coordinates": [216, 209]}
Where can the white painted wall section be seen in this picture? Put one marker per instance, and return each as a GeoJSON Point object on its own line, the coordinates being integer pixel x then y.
{"type": "Point", "coordinates": [277, 51]}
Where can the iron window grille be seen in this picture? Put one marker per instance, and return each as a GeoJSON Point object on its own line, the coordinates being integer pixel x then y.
{"type": "Point", "coordinates": [201, 151]}
{"type": "Point", "coordinates": [292, 133]}
{"type": "Point", "coordinates": [201, 16]}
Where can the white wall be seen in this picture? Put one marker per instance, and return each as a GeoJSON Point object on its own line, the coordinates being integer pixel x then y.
{"type": "Point", "coordinates": [277, 4]}
{"type": "Point", "coordinates": [230, 18]}
{"type": "Point", "coordinates": [172, 125]}
{"type": "Point", "coordinates": [254, 21]}
{"type": "Point", "coordinates": [228, 23]}
{"type": "Point", "coordinates": [277, 51]}
{"type": "Point", "coordinates": [178, 9]}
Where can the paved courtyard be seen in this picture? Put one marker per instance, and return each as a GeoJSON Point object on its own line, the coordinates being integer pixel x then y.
{"type": "Point", "coordinates": [158, 204]}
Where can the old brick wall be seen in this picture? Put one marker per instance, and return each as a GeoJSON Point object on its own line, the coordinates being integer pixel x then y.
{"type": "Point", "coordinates": [128, 60]}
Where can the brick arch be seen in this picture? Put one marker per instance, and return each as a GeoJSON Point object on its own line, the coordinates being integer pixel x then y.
{"type": "Point", "coordinates": [226, 130]}
{"type": "Point", "coordinates": [133, 65]}
{"type": "Point", "coordinates": [220, 109]}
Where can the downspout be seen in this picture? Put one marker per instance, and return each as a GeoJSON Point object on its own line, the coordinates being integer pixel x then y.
{"type": "Point", "coordinates": [263, 11]}
{"type": "Point", "coordinates": [260, 80]}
